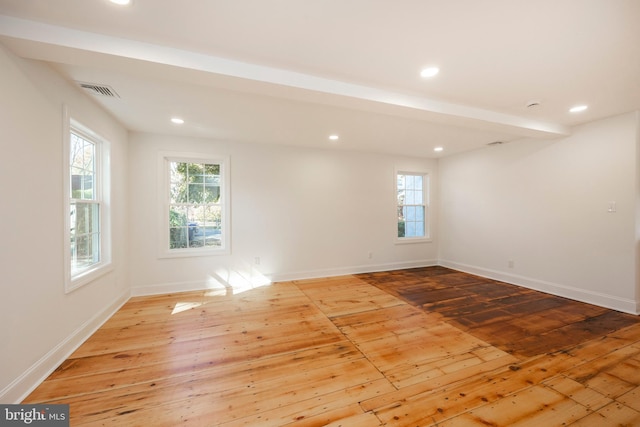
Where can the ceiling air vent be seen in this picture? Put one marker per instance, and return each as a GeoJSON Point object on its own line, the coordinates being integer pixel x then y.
{"type": "Point", "coordinates": [98, 89]}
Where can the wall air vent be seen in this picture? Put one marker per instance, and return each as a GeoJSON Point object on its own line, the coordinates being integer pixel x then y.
{"type": "Point", "coordinates": [98, 89]}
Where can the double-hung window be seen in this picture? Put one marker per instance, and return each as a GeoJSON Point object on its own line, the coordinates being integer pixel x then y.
{"type": "Point", "coordinates": [195, 205]}
{"type": "Point", "coordinates": [87, 253]}
{"type": "Point", "coordinates": [412, 197]}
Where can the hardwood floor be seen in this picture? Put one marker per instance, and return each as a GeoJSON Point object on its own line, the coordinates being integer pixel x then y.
{"type": "Point", "coordinates": [420, 347]}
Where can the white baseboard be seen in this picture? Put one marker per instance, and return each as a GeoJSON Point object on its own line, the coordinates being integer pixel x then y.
{"type": "Point", "coordinates": [198, 285]}
{"type": "Point", "coordinates": [369, 268]}
{"type": "Point", "coordinates": [20, 388]}
{"type": "Point", "coordinates": [169, 288]}
{"type": "Point", "coordinates": [596, 298]}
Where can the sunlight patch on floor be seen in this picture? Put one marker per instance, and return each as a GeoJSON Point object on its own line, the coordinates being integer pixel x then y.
{"type": "Point", "coordinates": [184, 306]}
{"type": "Point", "coordinates": [227, 282]}
{"type": "Point", "coordinates": [241, 280]}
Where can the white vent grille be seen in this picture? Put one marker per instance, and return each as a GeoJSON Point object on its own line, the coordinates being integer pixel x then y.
{"type": "Point", "coordinates": [99, 89]}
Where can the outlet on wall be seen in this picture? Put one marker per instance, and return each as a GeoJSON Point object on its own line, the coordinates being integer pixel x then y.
{"type": "Point", "coordinates": [510, 263]}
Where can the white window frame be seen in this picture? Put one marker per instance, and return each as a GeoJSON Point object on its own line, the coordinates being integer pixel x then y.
{"type": "Point", "coordinates": [74, 280]}
{"type": "Point", "coordinates": [164, 201]}
{"type": "Point", "coordinates": [426, 194]}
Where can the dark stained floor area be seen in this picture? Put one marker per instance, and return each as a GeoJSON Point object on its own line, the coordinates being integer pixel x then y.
{"type": "Point", "coordinates": [517, 320]}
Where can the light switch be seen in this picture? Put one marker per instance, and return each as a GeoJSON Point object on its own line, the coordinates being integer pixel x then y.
{"type": "Point", "coordinates": [612, 207]}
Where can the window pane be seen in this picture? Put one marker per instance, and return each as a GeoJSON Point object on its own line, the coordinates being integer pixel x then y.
{"type": "Point", "coordinates": [76, 183]}
{"type": "Point", "coordinates": [85, 237]}
{"type": "Point", "coordinates": [409, 198]}
{"type": "Point", "coordinates": [194, 234]}
{"type": "Point", "coordinates": [420, 213]}
{"type": "Point", "coordinates": [82, 163]}
{"type": "Point", "coordinates": [401, 180]}
{"type": "Point", "coordinates": [212, 169]}
{"type": "Point", "coordinates": [409, 182]}
{"type": "Point", "coordinates": [79, 251]}
{"type": "Point", "coordinates": [84, 218]}
{"type": "Point", "coordinates": [211, 232]}
{"type": "Point", "coordinates": [410, 212]}
{"type": "Point", "coordinates": [87, 187]}
{"type": "Point", "coordinates": [76, 158]}
{"type": "Point", "coordinates": [196, 215]}
{"type": "Point", "coordinates": [178, 216]}
{"type": "Point", "coordinates": [72, 221]}
{"type": "Point", "coordinates": [177, 237]}
{"type": "Point", "coordinates": [178, 190]}
{"type": "Point", "coordinates": [194, 172]}
{"type": "Point", "coordinates": [410, 229]}
{"type": "Point", "coordinates": [212, 236]}
{"type": "Point", "coordinates": [417, 197]}
{"type": "Point", "coordinates": [418, 182]}
{"type": "Point", "coordinates": [211, 193]}
{"type": "Point", "coordinates": [87, 155]}
{"type": "Point", "coordinates": [212, 179]}
{"type": "Point", "coordinates": [196, 193]}
{"type": "Point", "coordinates": [213, 216]}
{"type": "Point", "coordinates": [95, 247]}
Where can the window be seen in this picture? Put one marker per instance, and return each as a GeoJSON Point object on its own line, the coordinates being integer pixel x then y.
{"type": "Point", "coordinates": [196, 209]}
{"type": "Point", "coordinates": [87, 252]}
{"type": "Point", "coordinates": [412, 205]}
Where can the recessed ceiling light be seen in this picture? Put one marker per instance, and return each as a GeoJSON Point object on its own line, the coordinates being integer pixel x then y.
{"type": "Point", "coordinates": [334, 137]}
{"type": "Point", "coordinates": [429, 72]}
{"type": "Point", "coordinates": [578, 108]}
{"type": "Point", "coordinates": [177, 120]}
{"type": "Point", "coordinates": [438, 149]}
{"type": "Point", "coordinates": [121, 2]}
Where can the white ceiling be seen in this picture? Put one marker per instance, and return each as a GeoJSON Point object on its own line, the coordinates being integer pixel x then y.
{"type": "Point", "coordinates": [295, 71]}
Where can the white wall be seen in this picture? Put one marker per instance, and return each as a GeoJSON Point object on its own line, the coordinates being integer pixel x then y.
{"type": "Point", "coordinates": [39, 323]}
{"type": "Point", "coordinates": [303, 212]}
{"type": "Point", "coordinates": [543, 205]}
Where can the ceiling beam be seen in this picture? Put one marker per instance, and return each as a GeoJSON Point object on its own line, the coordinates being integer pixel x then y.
{"type": "Point", "coordinates": [42, 37]}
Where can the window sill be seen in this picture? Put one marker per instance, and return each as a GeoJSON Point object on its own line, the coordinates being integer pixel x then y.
{"type": "Point", "coordinates": [88, 276]}
{"type": "Point", "coordinates": [412, 240]}
{"type": "Point", "coordinates": [184, 253]}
